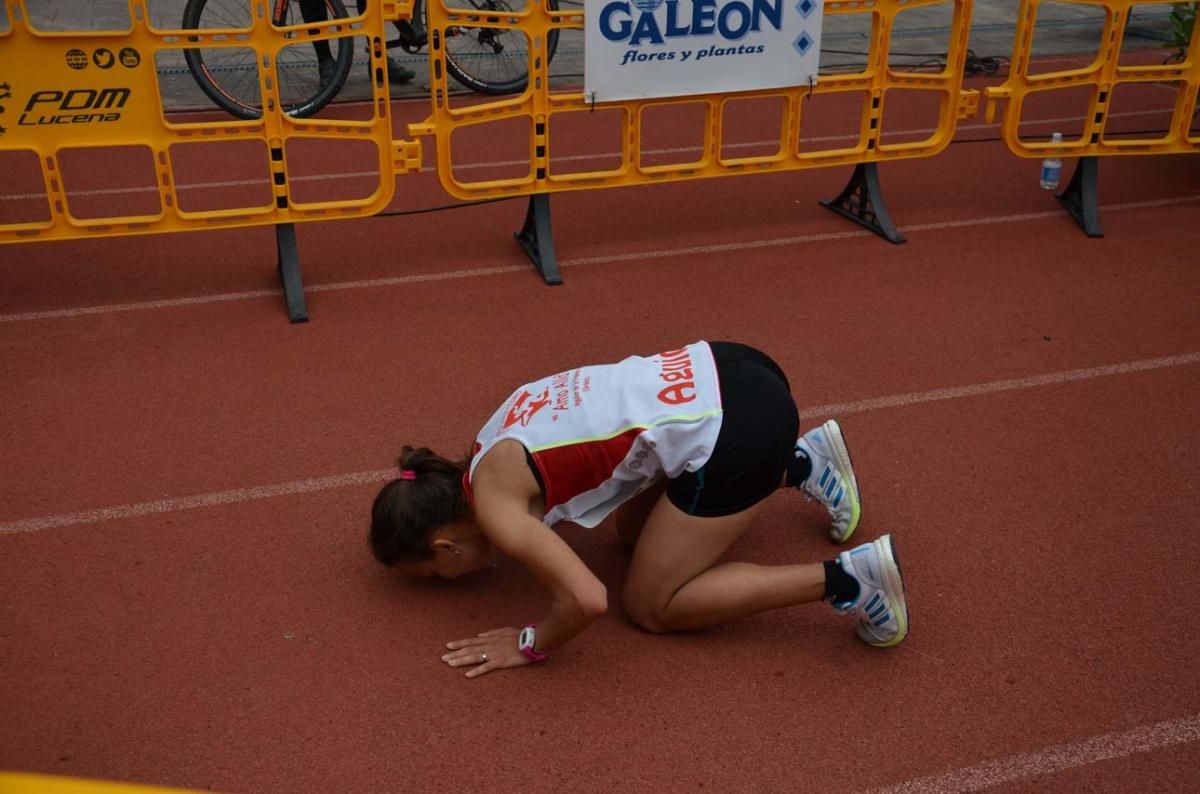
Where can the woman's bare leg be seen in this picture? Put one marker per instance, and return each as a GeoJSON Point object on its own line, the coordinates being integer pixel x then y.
{"type": "Point", "coordinates": [632, 515]}
{"type": "Point", "coordinates": [675, 583]}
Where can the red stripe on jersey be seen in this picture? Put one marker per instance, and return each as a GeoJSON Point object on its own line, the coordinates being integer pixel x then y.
{"type": "Point", "coordinates": [573, 469]}
{"type": "Point", "coordinates": [466, 480]}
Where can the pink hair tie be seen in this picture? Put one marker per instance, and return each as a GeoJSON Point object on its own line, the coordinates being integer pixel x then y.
{"type": "Point", "coordinates": [408, 474]}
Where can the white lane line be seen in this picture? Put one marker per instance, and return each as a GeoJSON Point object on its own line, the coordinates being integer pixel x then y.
{"type": "Point", "coordinates": [168, 303]}
{"type": "Point", "coordinates": [369, 477]}
{"type": "Point", "coordinates": [914, 398]}
{"type": "Point", "coordinates": [129, 307]}
{"type": "Point", "coordinates": [235, 496]}
{"type": "Point", "coordinates": [420, 278]}
{"type": "Point", "coordinates": [649, 153]}
{"type": "Point", "coordinates": [1054, 759]}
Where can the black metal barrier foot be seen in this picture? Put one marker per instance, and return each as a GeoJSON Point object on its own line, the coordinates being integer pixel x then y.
{"type": "Point", "coordinates": [289, 272]}
{"type": "Point", "coordinates": [862, 202]}
{"type": "Point", "coordinates": [1081, 197]}
{"type": "Point", "coordinates": [537, 239]}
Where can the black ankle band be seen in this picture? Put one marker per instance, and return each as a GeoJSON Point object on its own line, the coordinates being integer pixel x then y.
{"type": "Point", "coordinates": [798, 469]}
{"type": "Point", "coordinates": [839, 585]}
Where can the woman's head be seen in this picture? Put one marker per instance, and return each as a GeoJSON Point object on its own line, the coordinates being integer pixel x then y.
{"type": "Point", "coordinates": [421, 522]}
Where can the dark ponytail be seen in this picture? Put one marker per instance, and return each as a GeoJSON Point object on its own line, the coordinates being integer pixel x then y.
{"type": "Point", "coordinates": [428, 494]}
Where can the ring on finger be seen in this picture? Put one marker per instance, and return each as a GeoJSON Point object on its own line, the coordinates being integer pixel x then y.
{"type": "Point", "coordinates": [482, 657]}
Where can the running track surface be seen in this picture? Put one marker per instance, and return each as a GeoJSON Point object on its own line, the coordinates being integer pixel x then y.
{"type": "Point", "coordinates": [187, 598]}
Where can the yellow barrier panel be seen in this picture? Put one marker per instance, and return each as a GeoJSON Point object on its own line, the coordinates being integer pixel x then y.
{"type": "Point", "coordinates": [1100, 82]}
{"type": "Point", "coordinates": [99, 92]}
{"type": "Point", "coordinates": [539, 112]}
{"type": "Point", "coordinates": [1104, 77]}
{"type": "Point", "coordinates": [22, 783]}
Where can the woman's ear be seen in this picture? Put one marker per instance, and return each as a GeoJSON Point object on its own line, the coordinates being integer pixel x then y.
{"type": "Point", "coordinates": [443, 545]}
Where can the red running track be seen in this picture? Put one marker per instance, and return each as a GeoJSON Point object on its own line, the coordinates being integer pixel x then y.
{"type": "Point", "coordinates": [214, 635]}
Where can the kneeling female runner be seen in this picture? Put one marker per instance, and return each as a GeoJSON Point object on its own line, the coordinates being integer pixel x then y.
{"type": "Point", "coordinates": [687, 444]}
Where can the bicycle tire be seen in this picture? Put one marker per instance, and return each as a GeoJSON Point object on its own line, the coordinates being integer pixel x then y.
{"type": "Point", "coordinates": [470, 67]}
{"type": "Point", "coordinates": [241, 96]}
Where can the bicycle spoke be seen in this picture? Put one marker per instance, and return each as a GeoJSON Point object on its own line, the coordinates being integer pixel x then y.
{"type": "Point", "coordinates": [220, 58]}
{"type": "Point", "coordinates": [230, 75]}
{"type": "Point", "coordinates": [227, 20]}
{"type": "Point", "coordinates": [220, 62]}
{"type": "Point", "coordinates": [481, 59]}
{"type": "Point", "coordinates": [247, 78]}
{"type": "Point", "coordinates": [493, 60]}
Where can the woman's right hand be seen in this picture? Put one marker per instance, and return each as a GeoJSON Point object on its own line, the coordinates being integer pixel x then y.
{"type": "Point", "coordinates": [491, 650]}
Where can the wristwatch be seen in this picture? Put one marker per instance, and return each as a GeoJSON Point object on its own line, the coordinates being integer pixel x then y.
{"type": "Point", "coordinates": [526, 641]}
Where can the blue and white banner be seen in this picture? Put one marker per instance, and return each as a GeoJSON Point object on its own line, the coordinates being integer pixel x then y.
{"type": "Point", "coordinates": [639, 49]}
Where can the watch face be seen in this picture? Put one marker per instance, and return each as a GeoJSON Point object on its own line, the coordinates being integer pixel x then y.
{"type": "Point", "coordinates": [526, 639]}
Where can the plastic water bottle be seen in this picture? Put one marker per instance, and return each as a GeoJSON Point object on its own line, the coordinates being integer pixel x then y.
{"type": "Point", "coordinates": [1052, 167]}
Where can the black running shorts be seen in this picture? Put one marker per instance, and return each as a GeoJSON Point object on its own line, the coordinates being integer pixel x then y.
{"type": "Point", "coordinates": [759, 427]}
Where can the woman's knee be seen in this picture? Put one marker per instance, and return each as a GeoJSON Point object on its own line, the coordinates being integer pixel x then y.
{"type": "Point", "coordinates": [644, 611]}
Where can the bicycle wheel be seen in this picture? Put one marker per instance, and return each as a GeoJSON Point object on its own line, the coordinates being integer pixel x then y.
{"type": "Point", "coordinates": [230, 76]}
{"type": "Point", "coordinates": [492, 60]}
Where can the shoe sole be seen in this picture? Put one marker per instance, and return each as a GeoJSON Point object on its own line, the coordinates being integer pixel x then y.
{"type": "Point", "coordinates": [838, 441]}
{"type": "Point", "coordinates": [893, 589]}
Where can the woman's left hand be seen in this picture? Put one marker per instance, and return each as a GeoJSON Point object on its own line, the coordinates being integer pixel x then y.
{"type": "Point", "coordinates": [491, 650]}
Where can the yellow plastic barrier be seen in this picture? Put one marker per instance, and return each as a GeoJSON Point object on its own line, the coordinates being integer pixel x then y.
{"type": "Point", "coordinates": [1103, 79]}
{"type": "Point", "coordinates": [23, 783]}
{"type": "Point", "coordinates": [61, 103]}
{"type": "Point", "coordinates": [543, 110]}
{"type": "Point", "coordinates": [1104, 76]}
{"type": "Point", "coordinates": [99, 91]}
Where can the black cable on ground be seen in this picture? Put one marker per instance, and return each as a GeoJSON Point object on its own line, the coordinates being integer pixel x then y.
{"type": "Point", "coordinates": [975, 65]}
{"type": "Point", "coordinates": [444, 207]}
{"type": "Point", "coordinates": [466, 204]}
{"type": "Point", "coordinates": [987, 65]}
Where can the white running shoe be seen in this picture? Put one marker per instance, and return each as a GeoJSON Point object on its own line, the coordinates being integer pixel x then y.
{"type": "Point", "coordinates": [832, 481]}
{"type": "Point", "coordinates": [880, 607]}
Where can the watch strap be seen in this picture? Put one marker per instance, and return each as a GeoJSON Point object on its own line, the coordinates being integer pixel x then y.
{"type": "Point", "coordinates": [526, 642]}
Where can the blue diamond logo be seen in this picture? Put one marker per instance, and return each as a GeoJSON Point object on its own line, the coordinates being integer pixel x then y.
{"type": "Point", "coordinates": [806, 7]}
{"type": "Point", "coordinates": [803, 44]}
